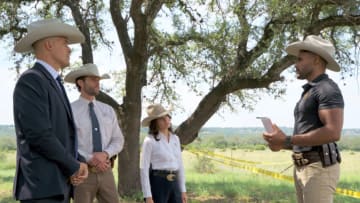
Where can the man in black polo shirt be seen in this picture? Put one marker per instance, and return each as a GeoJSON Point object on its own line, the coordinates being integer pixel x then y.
{"type": "Point", "coordinates": [318, 123]}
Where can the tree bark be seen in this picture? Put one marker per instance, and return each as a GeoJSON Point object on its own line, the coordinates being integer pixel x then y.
{"type": "Point", "coordinates": [136, 59]}
{"type": "Point", "coordinates": [86, 49]}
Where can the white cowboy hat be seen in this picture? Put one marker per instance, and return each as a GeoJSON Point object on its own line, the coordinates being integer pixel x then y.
{"type": "Point", "coordinates": [317, 45]}
{"type": "Point", "coordinates": [154, 111]}
{"type": "Point", "coordinates": [85, 70]}
{"type": "Point", "coordinates": [48, 28]}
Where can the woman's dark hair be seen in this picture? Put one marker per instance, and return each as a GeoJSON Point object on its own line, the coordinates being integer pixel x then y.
{"type": "Point", "coordinates": [154, 131]}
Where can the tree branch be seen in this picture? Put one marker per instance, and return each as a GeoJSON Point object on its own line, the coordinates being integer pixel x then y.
{"type": "Point", "coordinates": [332, 21]}
{"type": "Point", "coordinates": [244, 33]}
{"type": "Point", "coordinates": [152, 10]}
{"type": "Point", "coordinates": [275, 70]}
{"type": "Point", "coordinates": [87, 56]}
{"type": "Point", "coordinates": [121, 28]}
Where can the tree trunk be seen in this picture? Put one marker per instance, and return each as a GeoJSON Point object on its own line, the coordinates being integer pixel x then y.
{"type": "Point", "coordinates": [129, 175]}
{"type": "Point", "coordinates": [136, 60]}
{"type": "Point", "coordinates": [86, 49]}
{"type": "Point", "coordinates": [189, 129]}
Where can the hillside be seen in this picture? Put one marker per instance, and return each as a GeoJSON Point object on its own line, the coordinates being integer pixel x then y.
{"type": "Point", "coordinates": [7, 130]}
{"type": "Point", "coordinates": [260, 130]}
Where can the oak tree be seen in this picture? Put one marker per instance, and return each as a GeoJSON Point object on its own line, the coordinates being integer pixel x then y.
{"type": "Point", "coordinates": [229, 52]}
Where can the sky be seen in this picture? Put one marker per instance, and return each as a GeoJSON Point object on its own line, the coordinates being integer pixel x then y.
{"type": "Point", "coordinates": [280, 110]}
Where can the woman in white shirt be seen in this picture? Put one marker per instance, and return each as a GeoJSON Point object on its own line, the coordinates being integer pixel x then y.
{"type": "Point", "coordinates": [161, 167]}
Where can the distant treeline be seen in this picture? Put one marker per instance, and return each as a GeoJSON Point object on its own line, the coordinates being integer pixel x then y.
{"type": "Point", "coordinates": [236, 138]}
{"type": "Point", "coordinates": [10, 130]}
{"type": "Point", "coordinates": [259, 131]}
{"type": "Point", "coordinates": [256, 142]}
{"type": "Point", "coordinates": [6, 130]}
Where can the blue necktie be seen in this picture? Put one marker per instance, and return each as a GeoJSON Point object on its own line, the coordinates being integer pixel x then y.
{"type": "Point", "coordinates": [96, 135]}
{"type": "Point", "coordinates": [61, 86]}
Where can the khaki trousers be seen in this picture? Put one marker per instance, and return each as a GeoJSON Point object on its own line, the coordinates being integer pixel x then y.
{"type": "Point", "coordinates": [99, 185]}
{"type": "Point", "coordinates": [315, 184]}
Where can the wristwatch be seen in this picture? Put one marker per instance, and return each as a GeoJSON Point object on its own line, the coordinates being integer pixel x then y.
{"type": "Point", "coordinates": [288, 142]}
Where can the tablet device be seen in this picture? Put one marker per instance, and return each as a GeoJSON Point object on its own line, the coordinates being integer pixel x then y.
{"type": "Point", "coordinates": [266, 123]}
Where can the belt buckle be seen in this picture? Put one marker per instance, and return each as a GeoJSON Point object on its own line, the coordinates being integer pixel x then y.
{"type": "Point", "coordinates": [300, 160]}
{"type": "Point", "coordinates": [297, 156]}
{"type": "Point", "coordinates": [93, 169]}
{"type": "Point", "coordinates": [304, 161]}
{"type": "Point", "coordinates": [170, 177]}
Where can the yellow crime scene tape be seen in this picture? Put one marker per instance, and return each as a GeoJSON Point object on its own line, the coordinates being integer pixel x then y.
{"type": "Point", "coordinates": [226, 157]}
{"type": "Point", "coordinates": [239, 160]}
{"type": "Point", "coordinates": [246, 167]}
{"type": "Point", "coordinates": [232, 162]}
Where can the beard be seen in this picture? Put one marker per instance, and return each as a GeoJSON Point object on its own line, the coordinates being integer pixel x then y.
{"type": "Point", "coordinates": [302, 75]}
{"type": "Point", "coordinates": [91, 91]}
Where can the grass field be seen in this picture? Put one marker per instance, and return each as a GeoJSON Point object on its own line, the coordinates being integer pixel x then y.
{"type": "Point", "coordinates": [229, 183]}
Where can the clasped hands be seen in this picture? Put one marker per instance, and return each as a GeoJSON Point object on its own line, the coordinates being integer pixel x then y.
{"type": "Point", "coordinates": [80, 175]}
{"type": "Point", "coordinates": [275, 139]}
{"type": "Point", "coordinates": [100, 161]}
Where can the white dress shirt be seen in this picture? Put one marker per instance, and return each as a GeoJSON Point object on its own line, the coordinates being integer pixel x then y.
{"type": "Point", "coordinates": [49, 68]}
{"type": "Point", "coordinates": [112, 140]}
{"type": "Point", "coordinates": [162, 155]}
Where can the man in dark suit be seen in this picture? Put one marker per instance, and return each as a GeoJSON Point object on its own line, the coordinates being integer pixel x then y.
{"type": "Point", "coordinates": [46, 163]}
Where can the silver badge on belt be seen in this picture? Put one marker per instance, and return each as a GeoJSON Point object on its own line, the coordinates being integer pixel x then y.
{"type": "Point", "coordinates": [170, 177]}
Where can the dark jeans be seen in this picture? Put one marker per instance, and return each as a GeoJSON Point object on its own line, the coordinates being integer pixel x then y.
{"type": "Point", "coordinates": [164, 191]}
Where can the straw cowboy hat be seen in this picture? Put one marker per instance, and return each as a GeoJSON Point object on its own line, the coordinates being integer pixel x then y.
{"type": "Point", "coordinates": [48, 28]}
{"type": "Point", "coordinates": [316, 45]}
{"type": "Point", "coordinates": [154, 111]}
{"type": "Point", "coordinates": [85, 70]}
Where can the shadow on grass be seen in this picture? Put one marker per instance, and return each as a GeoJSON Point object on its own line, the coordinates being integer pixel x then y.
{"type": "Point", "coordinates": [221, 200]}
{"type": "Point", "coordinates": [350, 186]}
{"type": "Point", "coordinates": [246, 190]}
{"type": "Point", "coordinates": [4, 179]}
{"type": "Point", "coordinates": [7, 200]}
{"type": "Point", "coordinates": [234, 188]}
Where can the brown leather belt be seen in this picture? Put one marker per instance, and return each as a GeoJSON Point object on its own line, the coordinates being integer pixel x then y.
{"type": "Point", "coordinates": [305, 158]}
{"type": "Point", "coordinates": [169, 175]}
{"type": "Point", "coordinates": [93, 169]}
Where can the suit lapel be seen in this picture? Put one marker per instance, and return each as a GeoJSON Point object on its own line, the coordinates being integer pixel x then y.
{"type": "Point", "coordinates": [55, 86]}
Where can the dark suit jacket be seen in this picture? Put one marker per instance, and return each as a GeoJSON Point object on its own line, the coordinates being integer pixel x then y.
{"type": "Point", "coordinates": [46, 139]}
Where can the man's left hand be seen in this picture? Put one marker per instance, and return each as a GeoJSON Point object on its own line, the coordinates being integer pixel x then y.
{"type": "Point", "coordinates": [98, 158]}
{"type": "Point", "coordinates": [80, 175]}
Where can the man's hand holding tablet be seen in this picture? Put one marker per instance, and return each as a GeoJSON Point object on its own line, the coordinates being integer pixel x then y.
{"type": "Point", "coordinates": [266, 123]}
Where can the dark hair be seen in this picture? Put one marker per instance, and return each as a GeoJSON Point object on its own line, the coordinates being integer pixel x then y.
{"type": "Point", "coordinates": [154, 131]}
{"type": "Point", "coordinates": [78, 86]}
{"type": "Point", "coordinates": [324, 62]}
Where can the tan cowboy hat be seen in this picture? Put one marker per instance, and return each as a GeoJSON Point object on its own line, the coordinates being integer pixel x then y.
{"type": "Point", "coordinates": [154, 111]}
{"type": "Point", "coordinates": [48, 28]}
{"type": "Point", "coordinates": [317, 45]}
{"type": "Point", "coordinates": [85, 70]}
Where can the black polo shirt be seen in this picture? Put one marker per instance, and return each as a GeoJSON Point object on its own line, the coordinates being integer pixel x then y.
{"type": "Point", "coordinates": [321, 93]}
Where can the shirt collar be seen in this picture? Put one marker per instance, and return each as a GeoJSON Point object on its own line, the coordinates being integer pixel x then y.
{"type": "Point", "coordinates": [85, 101]}
{"type": "Point", "coordinates": [49, 68]}
{"type": "Point", "coordinates": [162, 135]}
{"type": "Point", "coordinates": [315, 81]}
